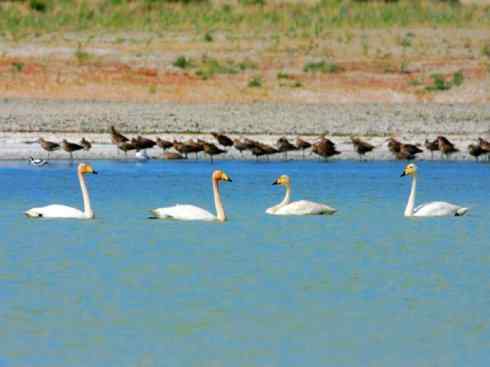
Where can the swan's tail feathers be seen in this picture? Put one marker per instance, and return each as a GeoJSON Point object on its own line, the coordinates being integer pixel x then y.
{"type": "Point", "coordinates": [31, 213]}
{"type": "Point", "coordinates": [461, 211]}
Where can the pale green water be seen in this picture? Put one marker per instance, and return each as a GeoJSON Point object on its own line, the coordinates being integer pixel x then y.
{"type": "Point", "coordinates": [365, 287]}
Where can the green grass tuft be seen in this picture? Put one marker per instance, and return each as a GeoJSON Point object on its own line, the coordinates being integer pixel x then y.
{"type": "Point", "coordinates": [322, 67]}
{"type": "Point", "coordinates": [255, 82]}
{"type": "Point", "coordinates": [183, 62]}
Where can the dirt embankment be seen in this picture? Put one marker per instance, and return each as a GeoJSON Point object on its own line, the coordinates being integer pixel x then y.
{"type": "Point", "coordinates": [348, 66]}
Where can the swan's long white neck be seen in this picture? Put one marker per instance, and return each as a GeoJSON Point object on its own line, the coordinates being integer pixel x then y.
{"type": "Point", "coordinates": [87, 209]}
{"type": "Point", "coordinates": [411, 198]}
{"type": "Point", "coordinates": [287, 196]}
{"type": "Point", "coordinates": [220, 210]}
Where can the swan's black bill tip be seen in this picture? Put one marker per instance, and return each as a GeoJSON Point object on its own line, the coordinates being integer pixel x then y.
{"type": "Point", "coordinates": [403, 174]}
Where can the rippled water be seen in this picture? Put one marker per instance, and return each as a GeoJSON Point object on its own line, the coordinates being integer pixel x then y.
{"type": "Point", "coordinates": [365, 287]}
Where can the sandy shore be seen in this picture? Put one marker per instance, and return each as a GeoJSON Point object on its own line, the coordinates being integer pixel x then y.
{"type": "Point", "coordinates": [23, 121]}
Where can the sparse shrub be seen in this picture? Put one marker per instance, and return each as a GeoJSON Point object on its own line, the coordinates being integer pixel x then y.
{"type": "Point", "coordinates": [282, 75]}
{"type": "Point", "coordinates": [406, 41]}
{"type": "Point", "coordinates": [208, 37]}
{"type": "Point", "coordinates": [485, 50]}
{"type": "Point", "coordinates": [322, 67]}
{"type": "Point", "coordinates": [253, 2]}
{"type": "Point", "coordinates": [38, 5]}
{"type": "Point", "coordinates": [255, 82]}
{"type": "Point", "coordinates": [247, 64]}
{"type": "Point", "coordinates": [458, 78]}
{"type": "Point", "coordinates": [152, 89]}
{"type": "Point", "coordinates": [438, 83]}
{"type": "Point", "coordinates": [182, 62]}
{"type": "Point", "coordinates": [17, 66]}
{"type": "Point", "coordinates": [81, 55]}
{"type": "Point", "coordinates": [297, 84]}
{"type": "Point", "coordinates": [209, 67]}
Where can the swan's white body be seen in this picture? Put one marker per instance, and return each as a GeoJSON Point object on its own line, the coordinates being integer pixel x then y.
{"type": "Point", "coordinates": [301, 207]}
{"type": "Point", "coordinates": [184, 212]}
{"type": "Point", "coordinates": [63, 211]}
{"type": "Point", "coordinates": [432, 209]}
{"type": "Point", "coordinates": [192, 212]}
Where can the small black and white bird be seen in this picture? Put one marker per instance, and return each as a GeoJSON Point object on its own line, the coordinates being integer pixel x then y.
{"type": "Point", "coordinates": [37, 162]}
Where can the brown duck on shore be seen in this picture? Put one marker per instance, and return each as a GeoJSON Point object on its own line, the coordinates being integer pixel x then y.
{"type": "Point", "coordinates": [484, 144]}
{"type": "Point", "coordinates": [446, 147]}
{"type": "Point", "coordinates": [403, 151]}
{"type": "Point", "coordinates": [267, 149]}
{"type": "Point", "coordinates": [223, 139]}
{"type": "Point", "coordinates": [393, 145]}
{"type": "Point", "coordinates": [164, 144]}
{"type": "Point", "coordinates": [85, 144]}
{"type": "Point", "coordinates": [70, 147]}
{"type": "Point", "coordinates": [302, 145]}
{"type": "Point", "coordinates": [476, 151]}
{"type": "Point", "coordinates": [48, 146]}
{"type": "Point", "coordinates": [182, 148]}
{"type": "Point", "coordinates": [211, 149]}
{"type": "Point", "coordinates": [431, 146]}
{"type": "Point", "coordinates": [284, 146]}
{"type": "Point", "coordinates": [241, 145]}
{"type": "Point", "coordinates": [126, 146]}
{"type": "Point", "coordinates": [172, 156]}
{"type": "Point", "coordinates": [405, 154]}
{"type": "Point", "coordinates": [325, 148]}
{"type": "Point", "coordinates": [142, 143]}
{"type": "Point", "coordinates": [361, 147]}
{"type": "Point", "coordinates": [257, 151]}
{"type": "Point", "coordinates": [116, 137]}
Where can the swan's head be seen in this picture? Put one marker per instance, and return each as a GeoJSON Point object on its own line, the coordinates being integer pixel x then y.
{"type": "Point", "coordinates": [282, 180]}
{"type": "Point", "coordinates": [221, 176]}
{"type": "Point", "coordinates": [410, 170]}
{"type": "Point", "coordinates": [85, 168]}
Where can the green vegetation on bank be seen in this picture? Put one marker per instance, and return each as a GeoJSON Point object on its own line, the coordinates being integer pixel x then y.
{"type": "Point", "coordinates": [302, 19]}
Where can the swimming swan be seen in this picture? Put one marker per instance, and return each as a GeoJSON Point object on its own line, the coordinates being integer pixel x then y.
{"type": "Point", "coordinates": [191, 212]}
{"type": "Point", "coordinates": [63, 211]}
{"type": "Point", "coordinates": [301, 207]}
{"type": "Point", "coordinates": [432, 209]}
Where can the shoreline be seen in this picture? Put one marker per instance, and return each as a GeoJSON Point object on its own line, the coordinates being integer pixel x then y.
{"type": "Point", "coordinates": [21, 146]}
{"type": "Point", "coordinates": [22, 121]}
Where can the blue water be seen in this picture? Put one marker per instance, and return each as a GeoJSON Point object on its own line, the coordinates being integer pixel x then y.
{"type": "Point", "coordinates": [365, 287]}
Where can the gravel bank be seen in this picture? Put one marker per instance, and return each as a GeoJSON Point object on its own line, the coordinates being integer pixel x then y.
{"type": "Point", "coordinates": [23, 121]}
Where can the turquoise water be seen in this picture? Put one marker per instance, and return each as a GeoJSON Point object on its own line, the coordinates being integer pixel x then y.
{"type": "Point", "coordinates": [365, 287]}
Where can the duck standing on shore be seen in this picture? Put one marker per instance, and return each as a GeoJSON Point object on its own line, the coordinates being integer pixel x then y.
{"type": "Point", "coordinates": [431, 146]}
{"type": "Point", "coordinates": [284, 146]}
{"type": "Point", "coordinates": [361, 147]}
{"type": "Point", "coordinates": [70, 147]}
{"type": "Point", "coordinates": [48, 146]}
{"type": "Point", "coordinates": [302, 145]}
{"type": "Point", "coordinates": [446, 147]}
{"type": "Point", "coordinates": [86, 144]}
{"type": "Point", "coordinates": [325, 148]}
{"type": "Point", "coordinates": [223, 139]}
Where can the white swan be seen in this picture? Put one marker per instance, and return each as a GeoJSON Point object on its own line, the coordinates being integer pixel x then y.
{"type": "Point", "coordinates": [192, 212]}
{"type": "Point", "coordinates": [63, 211]}
{"type": "Point", "coordinates": [432, 209]}
{"type": "Point", "coordinates": [301, 207]}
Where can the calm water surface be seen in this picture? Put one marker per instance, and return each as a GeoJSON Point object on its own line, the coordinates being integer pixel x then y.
{"type": "Point", "coordinates": [365, 287]}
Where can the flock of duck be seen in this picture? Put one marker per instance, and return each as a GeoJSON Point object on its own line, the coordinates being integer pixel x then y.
{"type": "Point", "coordinates": [188, 212]}
{"type": "Point", "coordinates": [324, 147]}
